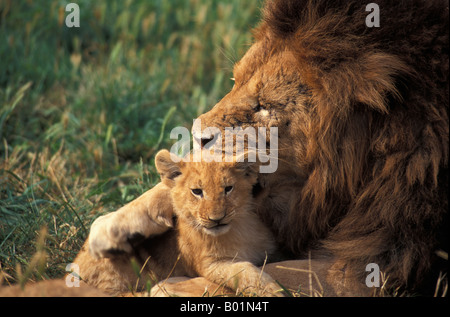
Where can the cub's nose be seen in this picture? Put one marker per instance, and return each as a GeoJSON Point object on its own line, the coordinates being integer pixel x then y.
{"type": "Point", "coordinates": [217, 218]}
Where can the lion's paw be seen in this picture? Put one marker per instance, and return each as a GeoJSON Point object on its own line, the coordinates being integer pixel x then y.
{"type": "Point", "coordinates": [107, 239]}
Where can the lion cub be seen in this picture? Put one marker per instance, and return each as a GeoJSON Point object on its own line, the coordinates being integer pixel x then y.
{"type": "Point", "coordinates": [219, 235]}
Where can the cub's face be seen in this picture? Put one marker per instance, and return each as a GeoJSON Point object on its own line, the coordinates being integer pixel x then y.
{"type": "Point", "coordinates": [208, 195]}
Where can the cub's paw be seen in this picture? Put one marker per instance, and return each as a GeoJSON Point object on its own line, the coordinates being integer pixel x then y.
{"type": "Point", "coordinates": [264, 287]}
{"type": "Point", "coordinates": [250, 281]}
{"type": "Point", "coordinates": [271, 289]}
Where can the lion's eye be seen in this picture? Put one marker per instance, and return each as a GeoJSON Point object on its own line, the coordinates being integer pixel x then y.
{"type": "Point", "coordinates": [197, 192]}
{"type": "Point", "coordinates": [258, 107]}
{"type": "Point", "coordinates": [228, 189]}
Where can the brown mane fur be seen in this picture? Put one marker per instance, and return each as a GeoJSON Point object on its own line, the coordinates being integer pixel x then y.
{"type": "Point", "coordinates": [391, 207]}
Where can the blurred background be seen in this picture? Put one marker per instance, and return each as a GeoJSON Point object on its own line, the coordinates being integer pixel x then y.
{"type": "Point", "coordinates": [84, 110]}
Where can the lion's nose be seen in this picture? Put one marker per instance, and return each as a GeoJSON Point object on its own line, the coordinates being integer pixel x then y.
{"type": "Point", "coordinates": [205, 142]}
{"type": "Point", "coordinates": [203, 135]}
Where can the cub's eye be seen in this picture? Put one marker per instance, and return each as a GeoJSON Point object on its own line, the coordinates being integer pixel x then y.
{"type": "Point", "coordinates": [228, 189]}
{"type": "Point", "coordinates": [197, 192]}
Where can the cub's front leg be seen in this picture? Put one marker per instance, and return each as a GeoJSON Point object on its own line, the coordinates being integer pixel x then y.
{"type": "Point", "coordinates": [149, 214]}
{"type": "Point", "coordinates": [242, 277]}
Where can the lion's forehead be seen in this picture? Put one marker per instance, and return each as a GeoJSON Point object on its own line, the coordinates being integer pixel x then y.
{"type": "Point", "coordinates": [257, 68]}
{"type": "Point", "coordinates": [250, 62]}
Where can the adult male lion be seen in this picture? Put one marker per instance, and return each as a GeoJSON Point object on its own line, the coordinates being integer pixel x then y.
{"type": "Point", "coordinates": [362, 117]}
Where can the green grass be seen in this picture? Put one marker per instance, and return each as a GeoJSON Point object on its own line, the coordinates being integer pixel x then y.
{"type": "Point", "coordinates": [84, 110]}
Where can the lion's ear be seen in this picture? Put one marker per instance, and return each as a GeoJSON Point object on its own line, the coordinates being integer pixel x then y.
{"type": "Point", "coordinates": [377, 78]}
{"type": "Point", "coordinates": [168, 166]}
{"type": "Point", "coordinates": [369, 80]}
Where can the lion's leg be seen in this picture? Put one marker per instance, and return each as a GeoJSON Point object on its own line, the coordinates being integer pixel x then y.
{"type": "Point", "coordinates": [113, 275]}
{"type": "Point", "coordinates": [138, 230]}
{"type": "Point", "coordinates": [156, 258]}
{"type": "Point", "coordinates": [150, 214]}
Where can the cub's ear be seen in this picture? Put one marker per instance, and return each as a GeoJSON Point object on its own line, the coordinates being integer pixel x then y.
{"type": "Point", "coordinates": [168, 166]}
{"type": "Point", "coordinates": [247, 162]}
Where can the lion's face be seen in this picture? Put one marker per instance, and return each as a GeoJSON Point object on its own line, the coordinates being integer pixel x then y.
{"type": "Point", "coordinates": [208, 195]}
{"type": "Point", "coordinates": [268, 92]}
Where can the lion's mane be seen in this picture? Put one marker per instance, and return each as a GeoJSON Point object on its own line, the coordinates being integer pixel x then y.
{"type": "Point", "coordinates": [377, 191]}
